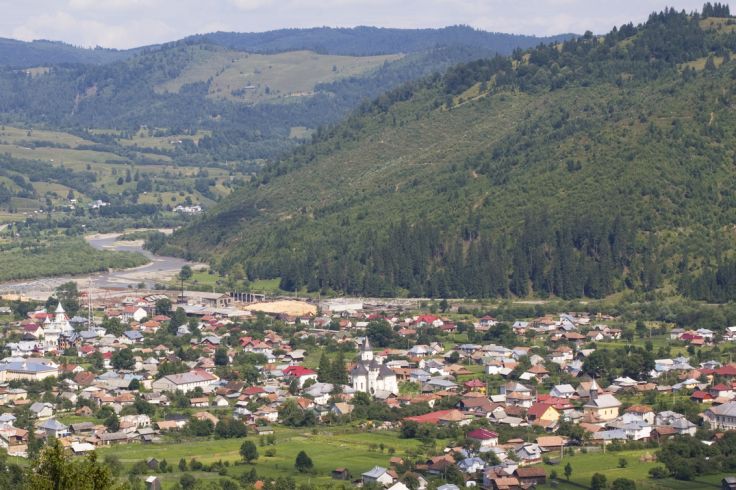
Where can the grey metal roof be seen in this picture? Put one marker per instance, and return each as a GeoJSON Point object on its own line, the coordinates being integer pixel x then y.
{"type": "Point", "coordinates": [376, 472]}
{"type": "Point", "coordinates": [53, 424]}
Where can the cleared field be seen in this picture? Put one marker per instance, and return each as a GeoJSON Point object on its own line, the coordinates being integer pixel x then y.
{"type": "Point", "coordinates": [584, 466]}
{"type": "Point", "coordinates": [58, 156]}
{"type": "Point", "coordinates": [328, 449]}
{"type": "Point", "coordinates": [14, 135]}
{"type": "Point", "coordinates": [718, 24]}
{"type": "Point", "coordinates": [258, 77]}
{"type": "Point", "coordinates": [142, 139]}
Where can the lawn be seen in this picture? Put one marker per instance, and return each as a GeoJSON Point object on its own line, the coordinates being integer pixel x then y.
{"type": "Point", "coordinates": [585, 465]}
{"type": "Point", "coordinates": [358, 451]}
{"type": "Point", "coordinates": [329, 448]}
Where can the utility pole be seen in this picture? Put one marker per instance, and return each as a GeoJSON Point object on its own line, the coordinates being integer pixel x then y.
{"type": "Point", "coordinates": [90, 327]}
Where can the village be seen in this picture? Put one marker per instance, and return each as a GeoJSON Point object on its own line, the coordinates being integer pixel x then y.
{"type": "Point", "coordinates": [512, 399]}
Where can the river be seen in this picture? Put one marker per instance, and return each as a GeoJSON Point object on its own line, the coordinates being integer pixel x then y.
{"type": "Point", "coordinates": [158, 270]}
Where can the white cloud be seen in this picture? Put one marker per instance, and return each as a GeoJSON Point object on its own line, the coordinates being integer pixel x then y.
{"type": "Point", "coordinates": [251, 4]}
{"type": "Point", "coordinates": [87, 32]}
{"type": "Point", "coordinates": [126, 23]}
{"type": "Point", "coordinates": [109, 4]}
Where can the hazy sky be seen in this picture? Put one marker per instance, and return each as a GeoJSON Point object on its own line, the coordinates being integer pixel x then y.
{"type": "Point", "coordinates": [128, 23]}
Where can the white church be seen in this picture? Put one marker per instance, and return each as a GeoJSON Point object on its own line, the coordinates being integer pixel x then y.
{"type": "Point", "coordinates": [372, 377]}
{"type": "Point", "coordinates": [59, 326]}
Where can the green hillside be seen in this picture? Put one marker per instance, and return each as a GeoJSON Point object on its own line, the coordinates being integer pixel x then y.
{"type": "Point", "coordinates": [20, 54]}
{"type": "Point", "coordinates": [183, 123]}
{"type": "Point", "coordinates": [253, 78]}
{"type": "Point", "coordinates": [357, 41]}
{"type": "Point", "coordinates": [248, 102]}
{"type": "Point", "coordinates": [601, 164]}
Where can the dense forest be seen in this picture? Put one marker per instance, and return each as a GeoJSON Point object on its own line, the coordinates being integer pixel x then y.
{"type": "Point", "coordinates": [20, 54]}
{"type": "Point", "coordinates": [577, 169]}
{"type": "Point", "coordinates": [365, 41]}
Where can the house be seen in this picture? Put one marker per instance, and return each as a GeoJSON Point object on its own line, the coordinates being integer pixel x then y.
{"type": "Point", "coordinates": [14, 441]}
{"type": "Point", "coordinates": [341, 408]}
{"type": "Point", "coordinates": [32, 369]}
{"type": "Point", "coordinates": [340, 474]}
{"type": "Point", "coordinates": [678, 423]}
{"type": "Point", "coordinates": [479, 406]}
{"type": "Point", "coordinates": [42, 410]}
{"type": "Point", "coordinates": [82, 428]}
{"type": "Point", "coordinates": [300, 373]}
{"type": "Point", "coordinates": [377, 475]}
{"type": "Point", "coordinates": [213, 300]}
{"type": "Point", "coordinates": [543, 415]}
{"type": "Point", "coordinates": [471, 465]}
{"type": "Point", "coordinates": [484, 437]}
{"type": "Point", "coordinates": [110, 438]}
{"type": "Point", "coordinates": [504, 483]}
{"type": "Point", "coordinates": [200, 402]}
{"type": "Point", "coordinates": [644, 411]}
{"type": "Point", "coordinates": [530, 477]}
{"type": "Point", "coordinates": [134, 336]}
{"type": "Point", "coordinates": [528, 453]}
{"type": "Point", "coordinates": [82, 448]}
{"type": "Point", "coordinates": [153, 483]}
{"type": "Point", "coordinates": [551, 443]}
{"type": "Point", "coordinates": [167, 425]}
{"type": "Point", "coordinates": [186, 382]}
{"type": "Point", "coordinates": [562, 391]}
{"type": "Point", "coordinates": [133, 313]}
{"type": "Point", "coordinates": [721, 416]}
{"type": "Point", "coordinates": [54, 428]}
{"type": "Point", "coordinates": [633, 425]}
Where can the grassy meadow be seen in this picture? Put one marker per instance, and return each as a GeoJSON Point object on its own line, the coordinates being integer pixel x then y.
{"type": "Point", "coordinates": [250, 78]}
{"type": "Point", "coordinates": [329, 448]}
{"type": "Point", "coordinates": [359, 451]}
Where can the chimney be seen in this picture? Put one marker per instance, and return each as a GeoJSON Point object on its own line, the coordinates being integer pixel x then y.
{"type": "Point", "coordinates": [593, 393]}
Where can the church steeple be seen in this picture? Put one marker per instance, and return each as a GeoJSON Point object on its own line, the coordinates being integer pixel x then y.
{"type": "Point", "coordinates": [366, 354]}
{"type": "Point", "coordinates": [60, 316]}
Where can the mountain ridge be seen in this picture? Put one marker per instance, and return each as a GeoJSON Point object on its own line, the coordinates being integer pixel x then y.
{"type": "Point", "coordinates": [355, 41]}
{"type": "Point", "coordinates": [485, 181]}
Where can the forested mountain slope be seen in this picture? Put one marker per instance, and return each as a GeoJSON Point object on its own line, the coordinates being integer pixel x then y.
{"type": "Point", "coordinates": [21, 54]}
{"type": "Point", "coordinates": [366, 41]}
{"type": "Point", "coordinates": [357, 41]}
{"type": "Point", "coordinates": [249, 102]}
{"type": "Point", "coordinates": [577, 169]}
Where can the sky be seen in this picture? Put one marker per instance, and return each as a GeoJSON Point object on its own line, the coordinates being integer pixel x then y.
{"type": "Point", "coordinates": [131, 23]}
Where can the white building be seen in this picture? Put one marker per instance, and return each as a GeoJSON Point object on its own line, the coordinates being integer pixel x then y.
{"type": "Point", "coordinates": [722, 416]}
{"type": "Point", "coordinates": [32, 369]}
{"type": "Point", "coordinates": [186, 382]}
{"type": "Point", "coordinates": [53, 329]}
{"type": "Point", "coordinates": [370, 376]}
